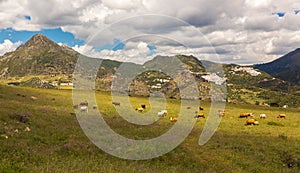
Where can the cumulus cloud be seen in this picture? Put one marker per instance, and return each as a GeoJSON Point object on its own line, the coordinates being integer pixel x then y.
{"type": "Point", "coordinates": [242, 31]}
{"type": "Point", "coordinates": [136, 52]}
{"type": "Point", "coordinates": [8, 46]}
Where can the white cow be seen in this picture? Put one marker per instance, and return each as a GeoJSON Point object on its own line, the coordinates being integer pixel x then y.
{"type": "Point", "coordinates": [83, 109]}
{"type": "Point", "coordinates": [162, 113]}
{"type": "Point", "coordinates": [262, 116]}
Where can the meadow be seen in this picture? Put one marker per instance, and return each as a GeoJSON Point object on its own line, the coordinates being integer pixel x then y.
{"type": "Point", "coordinates": [56, 142]}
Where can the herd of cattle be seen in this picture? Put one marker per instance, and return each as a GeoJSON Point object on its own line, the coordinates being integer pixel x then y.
{"type": "Point", "coordinates": [252, 121]}
{"type": "Point", "coordinates": [162, 113]}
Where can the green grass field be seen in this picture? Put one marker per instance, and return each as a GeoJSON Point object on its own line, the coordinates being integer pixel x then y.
{"type": "Point", "coordinates": [56, 143]}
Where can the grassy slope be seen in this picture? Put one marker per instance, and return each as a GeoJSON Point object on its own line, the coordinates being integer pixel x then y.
{"type": "Point", "coordinates": [56, 142]}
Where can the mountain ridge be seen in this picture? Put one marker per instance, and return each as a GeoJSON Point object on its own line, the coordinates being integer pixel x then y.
{"type": "Point", "coordinates": [42, 56]}
{"type": "Point", "coordinates": [286, 67]}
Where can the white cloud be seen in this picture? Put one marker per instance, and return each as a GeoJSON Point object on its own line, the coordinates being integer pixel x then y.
{"type": "Point", "coordinates": [243, 31]}
{"type": "Point", "coordinates": [258, 3]}
{"type": "Point", "coordinates": [8, 46]}
{"type": "Point", "coordinates": [136, 52]}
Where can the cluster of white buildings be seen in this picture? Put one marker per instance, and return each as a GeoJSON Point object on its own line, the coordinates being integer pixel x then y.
{"type": "Point", "coordinates": [160, 82]}
{"type": "Point", "coordinates": [249, 70]}
{"type": "Point", "coordinates": [215, 78]}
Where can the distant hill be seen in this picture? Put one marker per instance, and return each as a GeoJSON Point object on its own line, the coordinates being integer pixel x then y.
{"type": "Point", "coordinates": [38, 56]}
{"type": "Point", "coordinates": [286, 68]}
{"type": "Point", "coordinates": [43, 63]}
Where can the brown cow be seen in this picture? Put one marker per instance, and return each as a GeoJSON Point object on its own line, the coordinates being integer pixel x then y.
{"type": "Point", "coordinates": [139, 109]}
{"type": "Point", "coordinates": [200, 115]}
{"type": "Point", "coordinates": [173, 119]}
{"type": "Point", "coordinates": [84, 103]}
{"type": "Point", "coordinates": [245, 115]}
{"type": "Point", "coordinates": [251, 122]}
{"type": "Point", "coordinates": [143, 106]}
{"type": "Point", "coordinates": [281, 115]}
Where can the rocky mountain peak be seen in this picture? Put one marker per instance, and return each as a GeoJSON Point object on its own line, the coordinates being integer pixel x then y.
{"type": "Point", "coordinates": [39, 40]}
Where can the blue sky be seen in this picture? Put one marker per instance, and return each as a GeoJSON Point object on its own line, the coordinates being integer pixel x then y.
{"type": "Point", "coordinates": [57, 35]}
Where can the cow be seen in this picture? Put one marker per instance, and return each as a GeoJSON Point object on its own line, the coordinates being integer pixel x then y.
{"type": "Point", "coordinates": [221, 113]}
{"type": "Point", "coordinates": [84, 103]}
{"type": "Point", "coordinates": [201, 108]}
{"type": "Point", "coordinates": [116, 103]}
{"type": "Point", "coordinates": [281, 115]}
{"type": "Point", "coordinates": [251, 122]}
{"type": "Point", "coordinates": [245, 115]}
{"type": "Point", "coordinates": [139, 109]}
{"type": "Point", "coordinates": [83, 109]}
{"type": "Point", "coordinates": [200, 115]}
{"type": "Point", "coordinates": [173, 119]}
{"type": "Point", "coordinates": [143, 106]}
{"type": "Point", "coordinates": [162, 113]}
{"type": "Point", "coordinates": [262, 116]}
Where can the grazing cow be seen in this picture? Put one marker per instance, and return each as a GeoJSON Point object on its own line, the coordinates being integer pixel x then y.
{"type": "Point", "coordinates": [83, 109]}
{"type": "Point", "coordinates": [281, 115]}
{"type": "Point", "coordinates": [173, 119]}
{"type": "Point", "coordinates": [116, 103]}
{"type": "Point", "coordinates": [162, 113]}
{"type": "Point", "coordinates": [143, 106]}
{"type": "Point", "coordinates": [200, 115]}
{"type": "Point", "coordinates": [251, 122]}
{"type": "Point", "coordinates": [188, 107]}
{"type": "Point", "coordinates": [139, 109]}
{"type": "Point", "coordinates": [84, 103]}
{"type": "Point", "coordinates": [245, 115]}
{"type": "Point", "coordinates": [262, 116]}
{"type": "Point", "coordinates": [201, 108]}
{"type": "Point", "coordinates": [94, 107]}
{"type": "Point", "coordinates": [221, 113]}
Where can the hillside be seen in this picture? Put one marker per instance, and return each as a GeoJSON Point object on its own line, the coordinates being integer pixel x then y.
{"type": "Point", "coordinates": [247, 85]}
{"type": "Point", "coordinates": [162, 80]}
{"type": "Point", "coordinates": [286, 68]}
{"type": "Point", "coordinates": [42, 63]}
{"type": "Point", "coordinates": [38, 56]}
